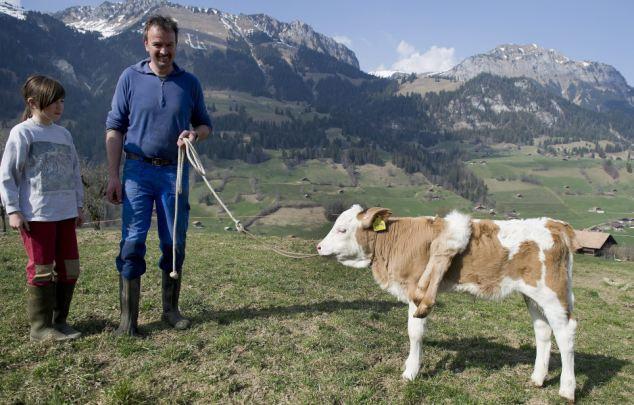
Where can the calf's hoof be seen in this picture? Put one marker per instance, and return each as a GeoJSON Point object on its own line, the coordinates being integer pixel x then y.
{"type": "Point", "coordinates": [537, 379]}
{"type": "Point", "coordinates": [422, 310]}
{"type": "Point", "coordinates": [566, 394]}
{"type": "Point", "coordinates": [409, 375]}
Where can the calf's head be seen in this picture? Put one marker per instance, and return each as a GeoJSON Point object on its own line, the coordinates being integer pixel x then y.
{"type": "Point", "coordinates": [342, 240]}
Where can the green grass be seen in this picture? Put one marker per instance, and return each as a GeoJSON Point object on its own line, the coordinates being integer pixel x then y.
{"type": "Point", "coordinates": [269, 329]}
{"type": "Point", "coordinates": [259, 108]}
{"type": "Point", "coordinates": [409, 195]}
{"type": "Point", "coordinates": [586, 180]}
{"type": "Point", "coordinates": [324, 182]}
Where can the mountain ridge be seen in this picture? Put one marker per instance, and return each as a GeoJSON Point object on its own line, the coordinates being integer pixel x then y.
{"type": "Point", "coordinates": [593, 85]}
{"type": "Point", "coordinates": [257, 63]}
{"type": "Point", "coordinates": [216, 27]}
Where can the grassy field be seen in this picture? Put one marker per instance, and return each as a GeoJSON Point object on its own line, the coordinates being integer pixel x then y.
{"type": "Point", "coordinates": [260, 108]}
{"type": "Point", "coordinates": [560, 189]}
{"type": "Point", "coordinates": [273, 330]}
{"type": "Point", "coordinates": [564, 189]}
{"type": "Point", "coordinates": [316, 182]}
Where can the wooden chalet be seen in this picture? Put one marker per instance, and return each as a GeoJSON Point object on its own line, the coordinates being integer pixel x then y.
{"type": "Point", "coordinates": [594, 243]}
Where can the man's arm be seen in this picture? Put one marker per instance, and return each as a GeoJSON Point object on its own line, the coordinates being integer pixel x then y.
{"type": "Point", "coordinates": [203, 131]}
{"type": "Point", "coordinates": [114, 143]}
{"type": "Point", "coordinates": [199, 133]}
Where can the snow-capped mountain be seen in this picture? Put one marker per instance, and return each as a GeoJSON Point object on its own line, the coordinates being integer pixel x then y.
{"type": "Point", "coordinates": [206, 28]}
{"type": "Point", "coordinates": [12, 8]}
{"type": "Point", "coordinates": [592, 85]}
{"type": "Point", "coordinates": [388, 74]}
{"type": "Point", "coordinates": [259, 56]}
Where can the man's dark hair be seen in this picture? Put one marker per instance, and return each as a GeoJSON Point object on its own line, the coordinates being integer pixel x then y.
{"type": "Point", "coordinates": [163, 22]}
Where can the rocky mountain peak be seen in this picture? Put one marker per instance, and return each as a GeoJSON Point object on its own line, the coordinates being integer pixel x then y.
{"type": "Point", "coordinates": [12, 8]}
{"type": "Point", "coordinates": [297, 33]}
{"type": "Point", "coordinates": [203, 28]}
{"type": "Point", "coordinates": [589, 84]}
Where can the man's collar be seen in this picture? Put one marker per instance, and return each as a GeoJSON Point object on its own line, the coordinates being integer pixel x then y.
{"type": "Point", "coordinates": [145, 65]}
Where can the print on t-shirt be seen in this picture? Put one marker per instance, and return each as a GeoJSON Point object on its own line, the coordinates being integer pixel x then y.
{"type": "Point", "coordinates": [50, 167]}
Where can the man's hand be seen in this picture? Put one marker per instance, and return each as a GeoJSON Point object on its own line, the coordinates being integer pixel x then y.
{"type": "Point", "coordinates": [17, 221]}
{"type": "Point", "coordinates": [191, 135]}
{"type": "Point", "coordinates": [113, 192]}
{"type": "Point", "coordinates": [79, 221]}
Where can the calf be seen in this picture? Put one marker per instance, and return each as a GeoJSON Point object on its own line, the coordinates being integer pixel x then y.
{"type": "Point", "coordinates": [413, 258]}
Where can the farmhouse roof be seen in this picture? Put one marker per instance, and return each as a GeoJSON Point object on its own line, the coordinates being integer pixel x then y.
{"type": "Point", "coordinates": [593, 240]}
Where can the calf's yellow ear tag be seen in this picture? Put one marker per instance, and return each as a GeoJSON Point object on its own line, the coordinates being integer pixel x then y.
{"type": "Point", "coordinates": [378, 224]}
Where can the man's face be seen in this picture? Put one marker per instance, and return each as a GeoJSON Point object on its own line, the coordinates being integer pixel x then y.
{"type": "Point", "coordinates": [161, 46]}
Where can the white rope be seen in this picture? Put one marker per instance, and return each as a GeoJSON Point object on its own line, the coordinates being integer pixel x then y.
{"type": "Point", "coordinates": [194, 160]}
{"type": "Point", "coordinates": [179, 190]}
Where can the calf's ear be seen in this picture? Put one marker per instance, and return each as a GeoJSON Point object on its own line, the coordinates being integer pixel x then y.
{"type": "Point", "coordinates": [368, 216]}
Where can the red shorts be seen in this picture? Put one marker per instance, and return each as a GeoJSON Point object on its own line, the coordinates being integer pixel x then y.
{"type": "Point", "coordinates": [52, 251]}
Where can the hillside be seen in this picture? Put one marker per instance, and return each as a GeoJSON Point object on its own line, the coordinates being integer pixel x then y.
{"type": "Point", "coordinates": [592, 85]}
{"type": "Point", "coordinates": [552, 186]}
{"type": "Point", "coordinates": [283, 88]}
{"type": "Point", "coordinates": [311, 331]}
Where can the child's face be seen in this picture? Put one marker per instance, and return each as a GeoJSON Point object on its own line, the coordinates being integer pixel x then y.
{"type": "Point", "coordinates": [49, 114]}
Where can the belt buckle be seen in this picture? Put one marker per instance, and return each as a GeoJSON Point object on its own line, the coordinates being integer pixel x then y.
{"type": "Point", "coordinates": [157, 162]}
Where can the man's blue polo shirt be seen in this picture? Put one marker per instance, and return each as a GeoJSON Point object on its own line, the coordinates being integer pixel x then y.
{"type": "Point", "coordinates": [152, 111]}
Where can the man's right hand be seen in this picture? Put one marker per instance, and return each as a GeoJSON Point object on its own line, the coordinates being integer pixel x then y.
{"type": "Point", "coordinates": [113, 193]}
{"type": "Point", "coordinates": [17, 221]}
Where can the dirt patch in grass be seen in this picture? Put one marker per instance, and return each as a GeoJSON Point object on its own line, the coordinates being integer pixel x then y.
{"type": "Point", "coordinates": [252, 198]}
{"type": "Point", "coordinates": [388, 174]}
{"type": "Point", "coordinates": [295, 216]}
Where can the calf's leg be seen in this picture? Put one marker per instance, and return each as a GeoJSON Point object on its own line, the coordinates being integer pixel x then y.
{"type": "Point", "coordinates": [415, 330]}
{"type": "Point", "coordinates": [429, 282]}
{"type": "Point", "coordinates": [543, 334]}
{"type": "Point", "coordinates": [564, 329]}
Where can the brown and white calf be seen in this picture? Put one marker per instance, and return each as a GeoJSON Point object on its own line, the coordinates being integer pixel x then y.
{"type": "Point", "coordinates": [413, 258]}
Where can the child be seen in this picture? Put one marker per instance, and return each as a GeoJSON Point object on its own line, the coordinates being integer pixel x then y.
{"type": "Point", "coordinates": [41, 188]}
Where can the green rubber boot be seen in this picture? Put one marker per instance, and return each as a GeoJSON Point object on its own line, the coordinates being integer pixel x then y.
{"type": "Point", "coordinates": [171, 293]}
{"type": "Point", "coordinates": [129, 295]}
{"type": "Point", "coordinates": [64, 295]}
{"type": "Point", "coordinates": [40, 304]}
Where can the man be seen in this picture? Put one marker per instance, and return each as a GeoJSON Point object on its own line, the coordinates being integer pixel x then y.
{"type": "Point", "coordinates": [153, 106]}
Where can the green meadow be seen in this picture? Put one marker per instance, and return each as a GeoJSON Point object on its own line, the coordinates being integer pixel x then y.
{"type": "Point", "coordinates": [520, 181]}
{"type": "Point", "coordinates": [268, 329]}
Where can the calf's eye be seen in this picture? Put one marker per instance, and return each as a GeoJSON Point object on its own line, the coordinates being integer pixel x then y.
{"type": "Point", "coordinates": [341, 230]}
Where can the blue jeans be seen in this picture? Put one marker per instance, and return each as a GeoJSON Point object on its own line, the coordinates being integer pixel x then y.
{"type": "Point", "coordinates": [144, 185]}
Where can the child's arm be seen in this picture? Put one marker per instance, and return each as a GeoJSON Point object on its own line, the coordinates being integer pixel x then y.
{"type": "Point", "coordinates": [79, 188]}
{"type": "Point", "coordinates": [17, 221]}
{"type": "Point", "coordinates": [11, 172]}
{"type": "Point", "coordinates": [79, 221]}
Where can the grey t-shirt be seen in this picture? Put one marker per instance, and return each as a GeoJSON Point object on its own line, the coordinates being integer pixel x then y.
{"type": "Point", "coordinates": [39, 173]}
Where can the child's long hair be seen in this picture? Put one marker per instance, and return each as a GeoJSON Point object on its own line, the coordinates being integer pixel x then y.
{"type": "Point", "coordinates": [44, 90]}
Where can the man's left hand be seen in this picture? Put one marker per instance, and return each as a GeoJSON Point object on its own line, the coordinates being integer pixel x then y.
{"type": "Point", "coordinates": [191, 135]}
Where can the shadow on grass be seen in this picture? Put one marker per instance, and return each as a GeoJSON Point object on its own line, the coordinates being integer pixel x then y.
{"type": "Point", "coordinates": [484, 353]}
{"type": "Point", "coordinates": [94, 326]}
{"type": "Point", "coordinates": [236, 315]}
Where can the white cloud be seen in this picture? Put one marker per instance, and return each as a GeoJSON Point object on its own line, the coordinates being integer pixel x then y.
{"type": "Point", "coordinates": [435, 59]}
{"type": "Point", "coordinates": [404, 49]}
{"type": "Point", "coordinates": [344, 40]}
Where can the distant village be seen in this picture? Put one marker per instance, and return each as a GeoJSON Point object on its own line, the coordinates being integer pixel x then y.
{"type": "Point", "coordinates": [596, 240]}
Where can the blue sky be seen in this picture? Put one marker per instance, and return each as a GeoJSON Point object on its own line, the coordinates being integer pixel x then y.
{"type": "Point", "coordinates": [431, 35]}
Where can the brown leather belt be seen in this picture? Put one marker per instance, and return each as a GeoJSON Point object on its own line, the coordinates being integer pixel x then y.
{"type": "Point", "coordinates": [152, 161]}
